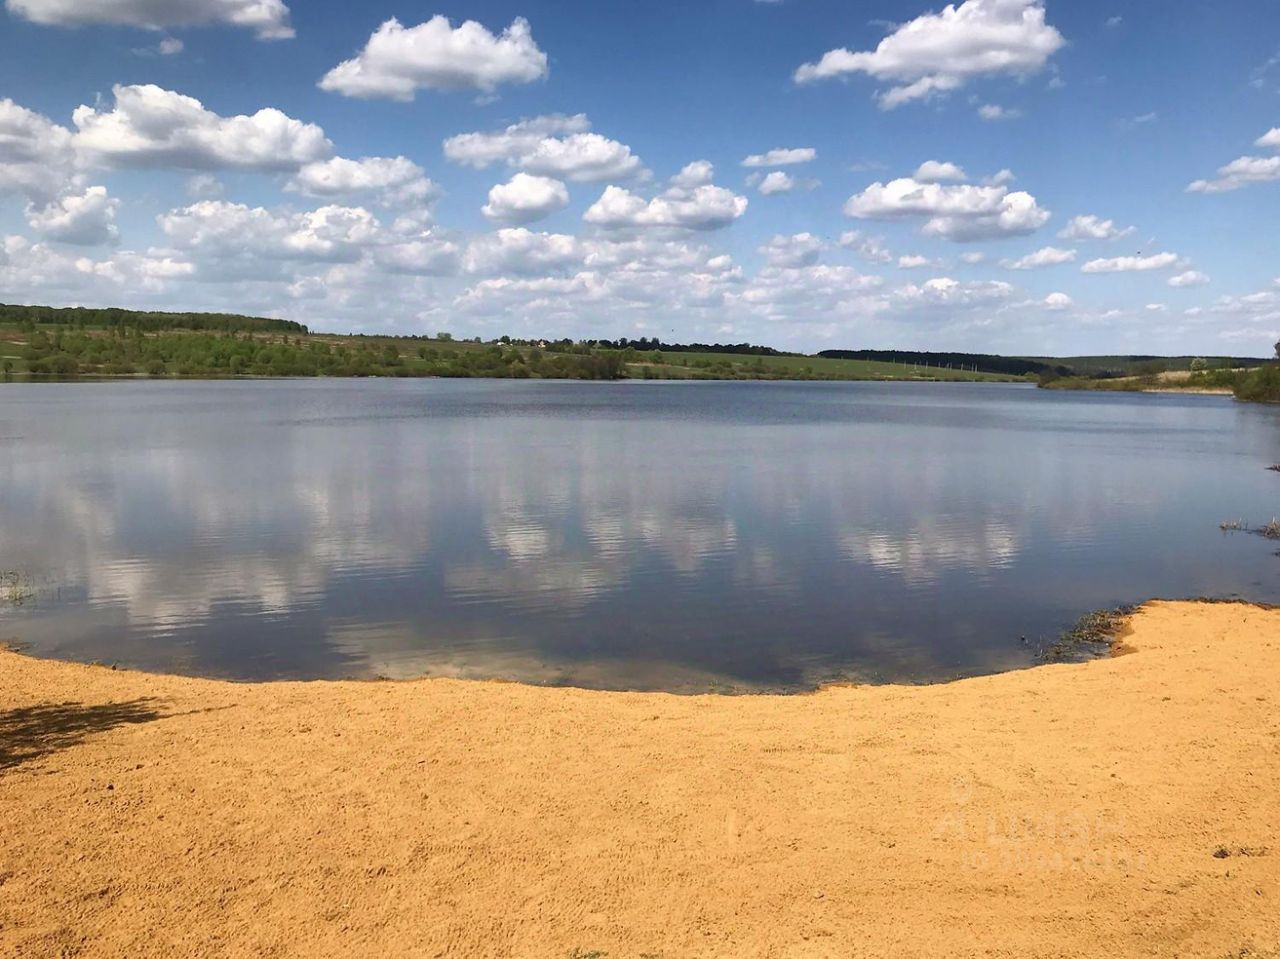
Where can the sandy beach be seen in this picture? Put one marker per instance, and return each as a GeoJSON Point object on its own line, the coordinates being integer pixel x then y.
{"type": "Point", "coordinates": [1121, 807]}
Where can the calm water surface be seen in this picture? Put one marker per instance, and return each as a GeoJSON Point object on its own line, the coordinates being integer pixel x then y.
{"type": "Point", "coordinates": [635, 535]}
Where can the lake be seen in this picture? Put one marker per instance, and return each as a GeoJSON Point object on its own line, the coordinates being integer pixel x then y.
{"type": "Point", "coordinates": [680, 536]}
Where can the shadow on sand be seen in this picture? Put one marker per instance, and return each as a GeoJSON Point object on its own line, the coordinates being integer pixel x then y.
{"type": "Point", "coordinates": [32, 732]}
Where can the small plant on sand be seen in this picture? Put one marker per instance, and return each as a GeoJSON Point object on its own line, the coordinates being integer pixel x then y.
{"type": "Point", "coordinates": [1094, 633]}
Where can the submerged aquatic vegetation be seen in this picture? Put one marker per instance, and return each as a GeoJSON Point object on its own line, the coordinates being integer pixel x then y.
{"type": "Point", "coordinates": [15, 588]}
{"type": "Point", "coordinates": [1093, 634]}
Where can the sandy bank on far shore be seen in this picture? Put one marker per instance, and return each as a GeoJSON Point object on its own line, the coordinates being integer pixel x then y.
{"type": "Point", "coordinates": [1123, 807]}
{"type": "Point", "coordinates": [1192, 391]}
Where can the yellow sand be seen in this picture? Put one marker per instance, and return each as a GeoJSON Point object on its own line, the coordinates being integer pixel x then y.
{"type": "Point", "coordinates": [1069, 810]}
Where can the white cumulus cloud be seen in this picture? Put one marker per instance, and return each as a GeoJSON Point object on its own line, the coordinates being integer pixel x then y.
{"type": "Point", "coordinates": [398, 60]}
{"type": "Point", "coordinates": [521, 251]}
{"type": "Point", "coordinates": [395, 179]}
{"type": "Point", "coordinates": [939, 52]}
{"type": "Point", "coordinates": [217, 227]}
{"type": "Point", "coordinates": [959, 212]}
{"type": "Point", "coordinates": [869, 248]}
{"type": "Point", "coordinates": [1132, 264]}
{"type": "Point", "coordinates": [939, 171]}
{"type": "Point", "coordinates": [791, 252]}
{"type": "Point", "coordinates": [704, 208]}
{"type": "Point", "coordinates": [1240, 172]}
{"type": "Point", "coordinates": [557, 146]}
{"type": "Point", "coordinates": [425, 255]}
{"type": "Point", "coordinates": [992, 112]}
{"type": "Point", "coordinates": [1188, 278]}
{"type": "Point", "coordinates": [944, 290]}
{"type": "Point", "coordinates": [691, 202]}
{"type": "Point", "coordinates": [480, 150]}
{"type": "Point", "coordinates": [269, 19]}
{"type": "Point", "coordinates": [153, 127]}
{"type": "Point", "coordinates": [777, 182]}
{"type": "Point", "coordinates": [86, 218]}
{"type": "Point", "coordinates": [695, 174]}
{"type": "Point", "coordinates": [1246, 170]}
{"type": "Point", "coordinates": [781, 156]}
{"type": "Point", "coordinates": [1090, 227]}
{"type": "Point", "coordinates": [525, 198]}
{"type": "Point", "coordinates": [1046, 256]}
{"type": "Point", "coordinates": [36, 155]}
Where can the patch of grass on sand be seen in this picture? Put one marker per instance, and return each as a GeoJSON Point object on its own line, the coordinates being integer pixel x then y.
{"type": "Point", "coordinates": [1093, 634]}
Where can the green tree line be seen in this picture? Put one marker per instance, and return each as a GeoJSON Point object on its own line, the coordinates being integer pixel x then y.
{"type": "Point", "coordinates": [79, 317]}
{"type": "Point", "coordinates": [121, 351]}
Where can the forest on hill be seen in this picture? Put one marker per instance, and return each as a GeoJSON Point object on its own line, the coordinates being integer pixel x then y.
{"type": "Point", "coordinates": [78, 317]}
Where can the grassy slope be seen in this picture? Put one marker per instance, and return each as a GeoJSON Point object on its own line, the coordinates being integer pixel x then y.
{"type": "Point", "coordinates": [11, 344]}
{"type": "Point", "coordinates": [679, 365]}
{"type": "Point", "coordinates": [672, 365]}
{"type": "Point", "coordinates": [1135, 365]}
{"type": "Point", "coordinates": [821, 367]}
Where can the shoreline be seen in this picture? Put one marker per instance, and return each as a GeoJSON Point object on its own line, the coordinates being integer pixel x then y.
{"type": "Point", "coordinates": [1165, 390]}
{"type": "Point", "coordinates": [1120, 806]}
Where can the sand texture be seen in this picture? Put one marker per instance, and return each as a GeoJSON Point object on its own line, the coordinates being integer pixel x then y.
{"type": "Point", "coordinates": [1122, 807]}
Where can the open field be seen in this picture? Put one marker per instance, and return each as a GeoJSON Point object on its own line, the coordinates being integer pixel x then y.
{"type": "Point", "coordinates": [1121, 807]}
{"type": "Point", "coordinates": [819, 367]}
{"type": "Point", "coordinates": [85, 349]}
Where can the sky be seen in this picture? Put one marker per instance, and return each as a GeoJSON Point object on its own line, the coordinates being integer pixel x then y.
{"type": "Point", "coordinates": [1019, 176]}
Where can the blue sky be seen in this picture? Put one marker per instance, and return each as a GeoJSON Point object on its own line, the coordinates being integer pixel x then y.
{"type": "Point", "coordinates": [1006, 175]}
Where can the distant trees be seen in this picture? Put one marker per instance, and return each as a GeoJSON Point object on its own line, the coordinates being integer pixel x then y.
{"type": "Point", "coordinates": [80, 318]}
{"type": "Point", "coordinates": [978, 362]}
{"type": "Point", "coordinates": [1199, 364]}
{"type": "Point", "coordinates": [1260, 386]}
{"type": "Point", "coordinates": [1152, 368]}
{"type": "Point", "coordinates": [121, 351]}
{"type": "Point", "coordinates": [647, 344]}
